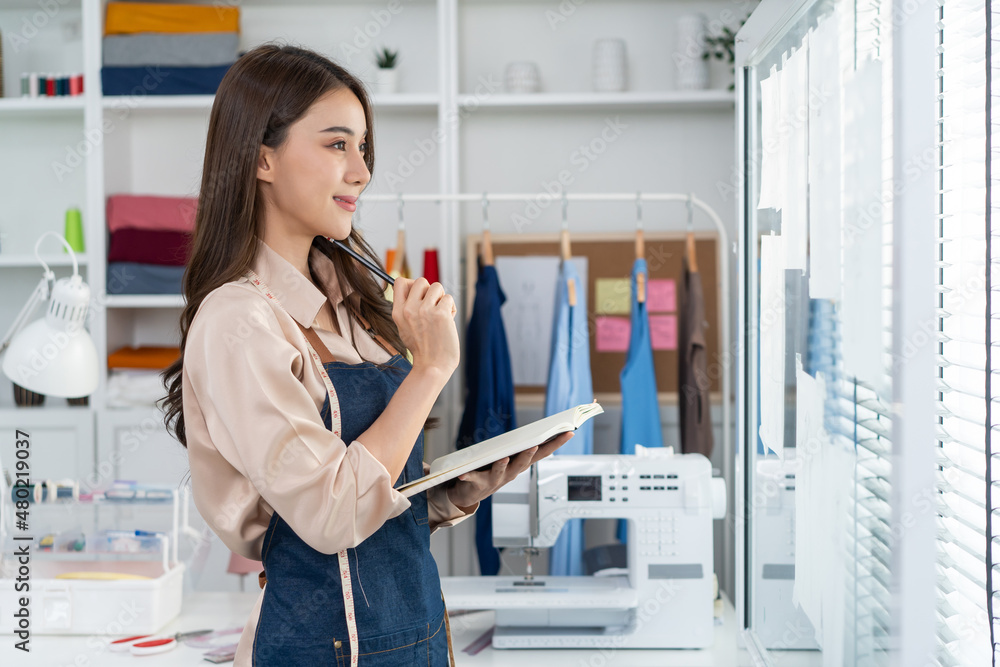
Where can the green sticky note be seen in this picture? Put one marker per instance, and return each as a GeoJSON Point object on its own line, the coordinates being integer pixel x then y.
{"type": "Point", "coordinates": [613, 296]}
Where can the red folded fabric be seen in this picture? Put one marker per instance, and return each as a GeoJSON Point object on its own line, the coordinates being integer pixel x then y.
{"type": "Point", "coordinates": [147, 212]}
{"type": "Point", "coordinates": [149, 247]}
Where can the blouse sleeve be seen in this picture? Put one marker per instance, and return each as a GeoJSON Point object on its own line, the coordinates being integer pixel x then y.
{"type": "Point", "coordinates": [441, 512]}
{"type": "Point", "coordinates": [246, 379]}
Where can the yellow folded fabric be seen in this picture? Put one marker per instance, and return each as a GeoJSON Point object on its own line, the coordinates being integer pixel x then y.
{"type": "Point", "coordinates": [124, 18]}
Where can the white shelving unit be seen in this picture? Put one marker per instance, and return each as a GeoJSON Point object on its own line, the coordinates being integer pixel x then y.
{"type": "Point", "coordinates": [450, 129]}
{"type": "Point", "coordinates": [682, 100]}
{"type": "Point", "coordinates": [57, 105]}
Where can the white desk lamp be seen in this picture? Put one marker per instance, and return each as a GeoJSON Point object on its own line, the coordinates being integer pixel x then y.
{"type": "Point", "coordinates": [53, 355]}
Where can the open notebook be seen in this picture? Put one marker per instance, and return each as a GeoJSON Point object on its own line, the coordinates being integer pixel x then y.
{"type": "Point", "coordinates": [510, 443]}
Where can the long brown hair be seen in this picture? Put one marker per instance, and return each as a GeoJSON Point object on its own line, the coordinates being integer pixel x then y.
{"type": "Point", "coordinates": [263, 93]}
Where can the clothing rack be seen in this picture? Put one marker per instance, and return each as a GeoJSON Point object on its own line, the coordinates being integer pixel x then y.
{"type": "Point", "coordinates": [689, 199]}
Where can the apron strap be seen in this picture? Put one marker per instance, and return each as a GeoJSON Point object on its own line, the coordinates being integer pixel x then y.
{"type": "Point", "coordinates": [352, 304]}
{"type": "Point", "coordinates": [322, 350]}
{"type": "Point", "coordinates": [447, 630]}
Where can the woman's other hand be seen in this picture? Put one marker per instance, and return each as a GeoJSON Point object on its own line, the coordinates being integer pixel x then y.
{"type": "Point", "coordinates": [474, 486]}
{"type": "Point", "coordinates": [425, 317]}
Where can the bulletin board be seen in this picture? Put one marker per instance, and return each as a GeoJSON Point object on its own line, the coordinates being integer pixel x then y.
{"type": "Point", "coordinates": [609, 257]}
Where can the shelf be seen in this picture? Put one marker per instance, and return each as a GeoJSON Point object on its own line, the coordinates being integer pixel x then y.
{"type": "Point", "coordinates": [406, 102]}
{"type": "Point", "coordinates": [398, 101]}
{"type": "Point", "coordinates": [672, 100]}
{"type": "Point", "coordinates": [55, 410]}
{"type": "Point", "coordinates": [42, 105]}
{"type": "Point", "coordinates": [144, 301]}
{"type": "Point", "coordinates": [19, 260]}
{"type": "Point", "coordinates": [158, 102]}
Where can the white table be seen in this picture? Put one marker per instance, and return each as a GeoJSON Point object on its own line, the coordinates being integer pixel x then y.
{"type": "Point", "coordinates": [198, 612]}
{"type": "Point", "coordinates": [466, 628]}
{"type": "Point", "coordinates": [224, 610]}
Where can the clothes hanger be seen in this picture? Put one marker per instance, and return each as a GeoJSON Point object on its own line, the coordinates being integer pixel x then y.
{"type": "Point", "coordinates": [690, 255]}
{"type": "Point", "coordinates": [564, 251]}
{"type": "Point", "coordinates": [640, 249]}
{"type": "Point", "coordinates": [487, 245]}
{"type": "Point", "coordinates": [399, 264]}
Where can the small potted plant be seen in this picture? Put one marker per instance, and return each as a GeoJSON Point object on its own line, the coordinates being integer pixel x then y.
{"type": "Point", "coordinates": [386, 79]}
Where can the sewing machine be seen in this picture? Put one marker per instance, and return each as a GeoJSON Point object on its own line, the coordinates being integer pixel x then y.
{"type": "Point", "coordinates": [663, 599]}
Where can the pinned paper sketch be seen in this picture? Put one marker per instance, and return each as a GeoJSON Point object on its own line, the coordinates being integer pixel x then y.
{"type": "Point", "coordinates": [824, 162]}
{"type": "Point", "coordinates": [612, 296]}
{"type": "Point", "coordinates": [612, 334]}
{"type": "Point", "coordinates": [661, 296]}
{"type": "Point", "coordinates": [811, 441]}
{"type": "Point", "coordinates": [862, 232]}
{"type": "Point", "coordinates": [825, 471]}
{"type": "Point", "coordinates": [772, 343]}
{"type": "Point", "coordinates": [663, 332]}
{"type": "Point", "coordinates": [770, 172]}
{"type": "Point", "coordinates": [530, 286]}
{"type": "Point", "coordinates": [794, 143]}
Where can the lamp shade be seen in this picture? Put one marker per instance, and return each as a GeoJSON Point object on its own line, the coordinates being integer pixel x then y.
{"type": "Point", "coordinates": [55, 355]}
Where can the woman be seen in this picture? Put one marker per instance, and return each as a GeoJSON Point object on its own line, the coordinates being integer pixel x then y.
{"type": "Point", "coordinates": [293, 396]}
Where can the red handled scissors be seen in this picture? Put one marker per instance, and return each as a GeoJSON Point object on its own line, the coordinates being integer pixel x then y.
{"type": "Point", "coordinates": [150, 644]}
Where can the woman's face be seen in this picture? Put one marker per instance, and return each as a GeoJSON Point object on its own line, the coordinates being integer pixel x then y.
{"type": "Point", "coordinates": [311, 181]}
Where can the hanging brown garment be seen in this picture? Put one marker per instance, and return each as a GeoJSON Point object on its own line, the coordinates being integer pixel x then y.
{"type": "Point", "coordinates": [693, 404]}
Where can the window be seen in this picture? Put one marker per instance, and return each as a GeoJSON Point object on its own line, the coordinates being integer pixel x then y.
{"type": "Point", "coordinates": [967, 342]}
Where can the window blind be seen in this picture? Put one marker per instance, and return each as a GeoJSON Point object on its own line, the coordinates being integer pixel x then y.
{"type": "Point", "coordinates": [966, 338]}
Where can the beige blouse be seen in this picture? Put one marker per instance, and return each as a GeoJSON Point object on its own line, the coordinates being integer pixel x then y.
{"type": "Point", "coordinates": [256, 441]}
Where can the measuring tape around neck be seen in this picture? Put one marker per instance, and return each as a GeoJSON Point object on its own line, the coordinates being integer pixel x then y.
{"type": "Point", "coordinates": [336, 426]}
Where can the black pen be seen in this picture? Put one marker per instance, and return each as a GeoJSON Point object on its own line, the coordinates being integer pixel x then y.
{"type": "Point", "coordinates": [374, 268]}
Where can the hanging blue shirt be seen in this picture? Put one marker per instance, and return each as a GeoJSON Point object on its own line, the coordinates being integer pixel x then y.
{"type": "Point", "coordinates": [570, 385]}
{"type": "Point", "coordinates": [640, 404]}
{"type": "Point", "coordinates": [489, 401]}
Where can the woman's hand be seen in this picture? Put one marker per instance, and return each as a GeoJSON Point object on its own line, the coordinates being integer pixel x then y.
{"type": "Point", "coordinates": [425, 317]}
{"type": "Point", "coordinates": [477, 485]}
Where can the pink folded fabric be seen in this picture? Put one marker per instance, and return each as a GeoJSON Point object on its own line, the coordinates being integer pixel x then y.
{"type": "Point", "coordinates": [169, 214]}
{"type": "Point", "coordinates": [148, 246]}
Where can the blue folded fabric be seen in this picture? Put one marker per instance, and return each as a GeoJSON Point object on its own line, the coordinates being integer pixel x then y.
{"type": "Point", "coordinates": [162, 80]}
{"type": "Point", "coordinates": [136, 278]}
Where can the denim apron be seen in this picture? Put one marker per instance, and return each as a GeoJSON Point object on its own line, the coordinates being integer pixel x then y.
{"type": "Point", "coordinates": [398, 606]}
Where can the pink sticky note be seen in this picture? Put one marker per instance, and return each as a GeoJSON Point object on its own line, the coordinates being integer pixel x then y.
{"type": "Point", "coordinates": [663, 331]}
{"type": "Point", "coordinates": [661, 296]}
{"type": "Point", "coordinates": [613, 334]}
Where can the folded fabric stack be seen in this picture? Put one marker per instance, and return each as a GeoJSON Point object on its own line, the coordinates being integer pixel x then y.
{"type": "Point", "coordinates": [149, 241]}
{"type": "Point", "coordinates": [168, 49]}
{"type": "Point", "coordinates": [135, 375]}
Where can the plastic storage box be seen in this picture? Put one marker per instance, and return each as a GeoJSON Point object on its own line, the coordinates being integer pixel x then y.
{"type": "Point", "coordinates": [116, 593]}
